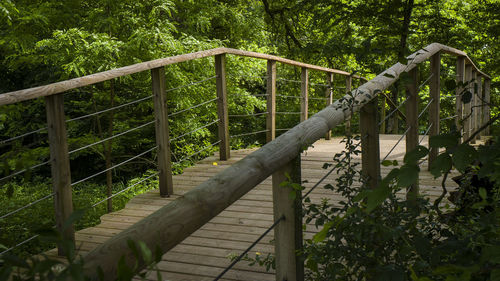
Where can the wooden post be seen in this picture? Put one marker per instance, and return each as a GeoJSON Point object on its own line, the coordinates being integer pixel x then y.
{"type": "Point", "coordinates": [479, 105]}
{"type": "Point", "coordinates": [271, 101]}
{"type": "Point", "coordinates": [59, 160]}
{"type": "Point", "coordinates": [467, 107]}
{"type": "Point", "coordinates": [370, 147]}
{"type": "Point", "coordinates": [486, 112]}
{"type": "Point", "coordinates": [162, 132]}
{"type": "Point", "coordinates": [288, 233]}
{"type": "Point", "coordinates": [382, 115]}
{"type": "Point", "coordinates": [434, 93]}
{"type": "Point", "coordinates": [304, 94]}
{"type": "Point", "coordinates": [412, 122]}
{"type": "Point", "coordinates": [348, 88]}
{"type": "Point", "coordinates": [458, 102]}
{"type": "Point", "coordinates": [473, 102]}
{"type": "Point", "coordinates": [329, 96]}
{"type": "Point", "coordinates": [220, 71]}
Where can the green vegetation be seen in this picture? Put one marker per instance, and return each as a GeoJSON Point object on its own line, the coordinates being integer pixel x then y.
{"type": "Point", "coordinates": [47, 41]}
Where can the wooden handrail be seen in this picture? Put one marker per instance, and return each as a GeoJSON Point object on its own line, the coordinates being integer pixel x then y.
{"type": "Point", "coordinates": [174, 222]}
{"type": "Point", "coordinates": [63, 86]}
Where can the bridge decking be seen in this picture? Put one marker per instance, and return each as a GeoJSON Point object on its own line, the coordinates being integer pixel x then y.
{"type": "Point", "coordinates": [204, 254]}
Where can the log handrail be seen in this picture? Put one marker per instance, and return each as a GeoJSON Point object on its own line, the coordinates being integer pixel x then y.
{"type": "Point", "coordinates": [63, 86]}
{"type": "Point", "coordinates": [174, 222]}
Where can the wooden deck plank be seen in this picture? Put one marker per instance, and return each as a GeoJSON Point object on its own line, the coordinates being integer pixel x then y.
{"type": "Point", "coordinates": [204, 254]}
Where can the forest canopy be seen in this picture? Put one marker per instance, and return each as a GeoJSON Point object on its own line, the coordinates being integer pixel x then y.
{"type": "Point", "coordinates": [45, 41]}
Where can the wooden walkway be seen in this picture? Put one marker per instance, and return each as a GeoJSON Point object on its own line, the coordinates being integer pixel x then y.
{"type": "Point", "coordinates": [204, 254]}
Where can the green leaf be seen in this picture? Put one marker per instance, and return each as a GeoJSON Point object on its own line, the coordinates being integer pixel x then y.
{"type": "Point", "coordinates": [441, 165]}
{"type": "Point", "coordinates": [321, 235]}
{"type": "Point", "coordinates": [376, 196]}
{"type": "Point", "coordinates": [389, 75]}
{"type": "Point", "coordinates": [463, 156]}
{"type": "Point", "coordinates": [482, 193]}
{"type": "Point", "coordinates": [408, 175]}
{"type": "Point", "coordinates": [444, 140]}
{"type": "Point", "coordinates": [415, 154]}
{"type": "Point", "coordinates": [147, 255]}
{"type": "Point", "coordinates": [75, 216]}
{"type": "Point", "coordinates": [386, 163]}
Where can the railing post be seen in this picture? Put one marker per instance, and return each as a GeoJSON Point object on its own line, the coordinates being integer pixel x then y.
{"type": "Point", "coordinates": [412, 122]}
{"type": "Point", "coordinates": [162, 132]}
{"type": "Point", "coordinates": [348, 88]}
{"type": "Point", "coordinates": [458, 102]}
{"type": "Point", "coordinates": [304, 94]}
{"type": "Point", "coordinates": [271, 101]}
{"type": "Point", "coordinates": [329, 97]}
{"type": "Point", "coordinates": [60, 167]}
{"type": "Point", "coordinates": [486, 112]}
{"type": "Point", "coordinates": [434, 93]}
{"type": "Point", "coordinates": [473, 102]}
{"type": "Point", "coordinates": [382, 115]}
{"type": "Point", "coordinates": [288, 233]}
{"type": "Point", "coordinates": [220, 71]}
{"type": "Point", "coordinates": [479, 104]}
{"type": "Point", "coordinates": [370, 147]}
{"type": "Point", "coordinates": [467, 107]}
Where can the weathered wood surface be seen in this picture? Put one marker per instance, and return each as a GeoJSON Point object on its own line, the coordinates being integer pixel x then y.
{"type": "Point", "coordinates": [167, 227]}
{"type": "Point", "coordinates": [204, 254]}
{"type": "Point", "coordinates": [63, 86]}
{"type": "Point", "coordinates": [60, 87]}
{"type": "Point", "coordinates": [271, 101]}
{"type": "Point", "coordinates": [222, 109]}
{"type": "Point", "coordinates": [60, 167]}
{"type": "Point", "coordinates": [435, 95]}
{"type": "Point", "coordinates": [162, 131]}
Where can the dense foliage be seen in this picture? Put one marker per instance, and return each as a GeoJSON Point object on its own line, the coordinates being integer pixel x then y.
{"type": "Point", "coordinates": [47, 41]}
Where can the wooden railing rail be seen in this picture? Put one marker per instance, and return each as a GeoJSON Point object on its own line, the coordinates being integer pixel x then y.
{"type": "Point", "coordinates": [59, 155]}
{"type": "Point", "coordinates": [174, 222]}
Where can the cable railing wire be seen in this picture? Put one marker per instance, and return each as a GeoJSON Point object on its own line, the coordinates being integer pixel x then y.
{"type": "Point", "coordinates": [392, 112]}
{"type": "Point", "coordinates": [195, 130]}
{"type": "Point", "coordinates": [24, 170]}
{"type": "Point", "coordinates": [447, 118]}
{"type": "Point", "coordinates": [28, 205]}
{"type": "Point", "coordinates": [247, 115]}
{"type": "Point", "coordinates": [20, 244]}
{"type": "Point", "coordinates": [290, 97]}
{"type": "Point", "coordinates": [113, 167]}
{"type": "Point", "coordinates": [283, 129]}
{"type": "Point", "coordinates": [236, 260]}
{"type": "Point", "coordinates": [192, 107]}
{"type": "Point", "coordinates": [425, 108]}
{"type": "Point", "coordinates": [247, 134]}
{"type": "Point", "coordinates": [108, 109]}
{"type": "Point", "coordinates": [288, 80]}
{"type": "Point", "coordinates": [327, 174]}
{"type": "Point", "coordinates": [125, 189]}
{"type": "Point", "coordinates": [23, 135]}
{"type": "Point", "coordinates": [198, 152]}
{"type": "Point", "coordinates": [425, 134]}
{"type": "Point", "coordinates": [191, 84]}
{"type": "Point", "coordinates": [392, 149]}
{"type": "Point", "coordinates": [426, 80]}
{"type": "Point", "coordinates": [112, 137]}
{"type": "Point", "coordinates": [287, 112]}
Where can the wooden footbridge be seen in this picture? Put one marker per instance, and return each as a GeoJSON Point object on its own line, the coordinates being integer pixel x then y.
{"type": "Point", "coordinates": [226, 202]}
